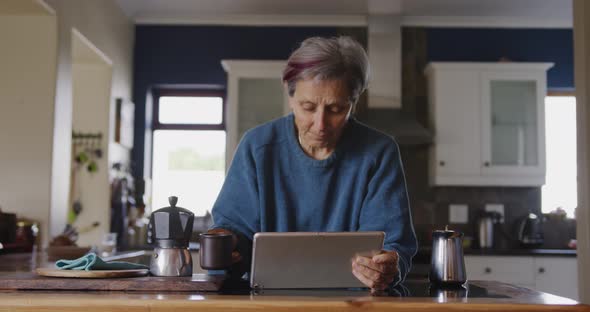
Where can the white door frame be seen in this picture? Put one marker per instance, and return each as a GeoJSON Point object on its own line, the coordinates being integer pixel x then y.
{"type": "Point", "coordinates": [582, 83]}
{"type": "Point", "coordinates": [237, 69]}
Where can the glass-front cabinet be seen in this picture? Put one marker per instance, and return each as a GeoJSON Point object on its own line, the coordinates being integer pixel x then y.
{"type": "Point", "coordinates": [512, 115]}
{"type": "Point", "coordinates": [489, 123]}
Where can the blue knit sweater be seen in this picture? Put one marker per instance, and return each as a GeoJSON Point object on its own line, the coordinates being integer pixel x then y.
{"type": "Point", "coordinates": [273, 186]}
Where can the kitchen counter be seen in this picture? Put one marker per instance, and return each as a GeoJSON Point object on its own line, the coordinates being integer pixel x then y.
{"type": "Point", "coordinates": [522, 252]}
{"type": "Point", "coordinates": [421, 262]}
{"type": "Point", "coordinates": [413, 295]}
{"type": "Point", "coordinates": [425, 251]}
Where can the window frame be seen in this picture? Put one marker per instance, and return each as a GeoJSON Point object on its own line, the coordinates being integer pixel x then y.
{"type": "Point", "coordinates": [158, 93]}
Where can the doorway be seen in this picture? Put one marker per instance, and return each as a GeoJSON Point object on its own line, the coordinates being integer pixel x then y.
{"type": "Point", "coordinates": [91, 95]}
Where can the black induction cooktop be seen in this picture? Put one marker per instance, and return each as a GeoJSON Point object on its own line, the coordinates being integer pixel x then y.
{"type": "Point", "coordinates": [410, 288]}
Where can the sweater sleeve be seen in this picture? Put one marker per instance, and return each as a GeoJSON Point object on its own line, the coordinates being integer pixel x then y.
{"type": "Point", "coordinates": [236, 207]}
{"type": "Point", "coordinates": [386, 208]}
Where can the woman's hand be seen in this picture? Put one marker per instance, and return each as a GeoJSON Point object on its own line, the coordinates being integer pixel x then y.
{"type": "Point", "coordinates": [235, 255]}
{"type": "Point", "coordinates": [376, 272]}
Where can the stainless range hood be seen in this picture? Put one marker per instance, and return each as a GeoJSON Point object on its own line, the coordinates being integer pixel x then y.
{"type": "Point", "coordinates": [398, 124]}
{"type": "Point", "coordinates": [385, 109]}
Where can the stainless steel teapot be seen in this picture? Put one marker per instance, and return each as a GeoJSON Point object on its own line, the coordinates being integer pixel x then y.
{"type": "Point", "coordinates": [447, 267]}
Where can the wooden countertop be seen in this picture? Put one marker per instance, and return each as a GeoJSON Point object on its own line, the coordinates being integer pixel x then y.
{"type": "Point", "coordinates": [481, 296]}
{"type": "Point", "coordinates": [120, 301]}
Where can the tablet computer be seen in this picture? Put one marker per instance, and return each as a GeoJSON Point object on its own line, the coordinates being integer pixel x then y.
{"type": "Point", "coordinates": [295, 260]}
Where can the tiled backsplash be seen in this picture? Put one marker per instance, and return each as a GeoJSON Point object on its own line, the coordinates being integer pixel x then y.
{"type": "Point", "coordinates": [430, 204]}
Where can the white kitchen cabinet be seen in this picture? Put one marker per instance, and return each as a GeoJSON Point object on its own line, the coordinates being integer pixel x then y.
{"type": "Point", "coordinates": [554, 275]}
{"type": "Point", "coordinates": [557, 275]}
{"type": "Point", "coordinates": [515, 270]}
{"type": "Point", "coordinates": [489, 121]}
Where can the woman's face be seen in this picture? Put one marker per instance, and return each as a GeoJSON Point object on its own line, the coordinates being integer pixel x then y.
{"type": "Point", "coordinates": [321, 109]}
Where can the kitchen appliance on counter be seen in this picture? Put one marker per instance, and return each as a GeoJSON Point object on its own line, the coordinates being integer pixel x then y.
{"type": "Point", "coordinates": [530, 231]}
{"type": "Point", "coordinates": [447, 265]}
{"type": "Point", "coordinates": [7, 227]}
{"type": "Point", "coordinates": [486, 228]}
{"type": "Point", "coordinates": [27, 232]}
{"type": "Point", "coordinates": [170, 228]}
{"type": "Point", "coordinates": [17, 234]}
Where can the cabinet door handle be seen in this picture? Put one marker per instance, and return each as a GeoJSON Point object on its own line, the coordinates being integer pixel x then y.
{"type": "Point", "coordinates": [541, 270]}
{"type": "Point", "coordinates": [486, 164]}
{"type": "Point", "coordinates": [442, 163]}
{"type": "Point", "coordinates": [487, 270]}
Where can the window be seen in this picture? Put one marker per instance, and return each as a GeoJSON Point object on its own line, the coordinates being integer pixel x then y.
{"type": "Point", "coordinates": [560, 189]}
{"type": "Point", "coordinates": [188, 149]}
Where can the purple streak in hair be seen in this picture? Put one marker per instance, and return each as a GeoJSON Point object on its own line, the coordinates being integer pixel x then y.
{"type": "Point", "coordinates": [295, 68]}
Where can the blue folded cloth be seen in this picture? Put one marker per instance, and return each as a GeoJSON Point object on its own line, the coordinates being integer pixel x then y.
{"type": "Point", "coordinates": [91, 261]}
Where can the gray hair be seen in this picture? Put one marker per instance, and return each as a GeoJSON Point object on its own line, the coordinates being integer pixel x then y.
{"type": "Point", "coordinates": [339, 58]}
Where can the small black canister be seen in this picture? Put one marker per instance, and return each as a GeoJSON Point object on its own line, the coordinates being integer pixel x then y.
{"type": "Point", "coordinates": [216, 250]}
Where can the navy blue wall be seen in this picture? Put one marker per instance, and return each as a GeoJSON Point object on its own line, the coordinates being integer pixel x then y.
{"type": "Point", "coordinates": [193, 54]}
{"type": "Point", "coordinates": [519, 45]}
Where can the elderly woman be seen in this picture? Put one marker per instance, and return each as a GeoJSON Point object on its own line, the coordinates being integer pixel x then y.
{"type": "Point", "coordinates": [318, 169]}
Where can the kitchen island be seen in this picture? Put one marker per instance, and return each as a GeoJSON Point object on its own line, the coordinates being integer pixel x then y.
{"type": "Point", "coordinates": [413, 295]}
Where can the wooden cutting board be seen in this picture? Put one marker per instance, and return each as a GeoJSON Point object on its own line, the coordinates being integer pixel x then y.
{"type": "Point", "coordinates": [33, 281]}
{"type": "Point", "coordinates": [50, 272]}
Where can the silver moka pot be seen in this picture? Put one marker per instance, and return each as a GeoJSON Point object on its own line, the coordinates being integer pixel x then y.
{"type": "Point", "coordinates": [170, 229]}
{"type": "Point", "coordinates": [447, 267]}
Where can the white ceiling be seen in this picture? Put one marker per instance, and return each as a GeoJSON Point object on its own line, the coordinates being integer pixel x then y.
{"type": "Point", "coordinates": [541, 13]}
{"type": "Point", "coordinates": [229, 7]}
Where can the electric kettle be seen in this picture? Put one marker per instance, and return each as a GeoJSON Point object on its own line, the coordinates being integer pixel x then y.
{"type": "Point", "coordinates": [447, 267]}
{"type": "Point", "coordinates": [530, 231]}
